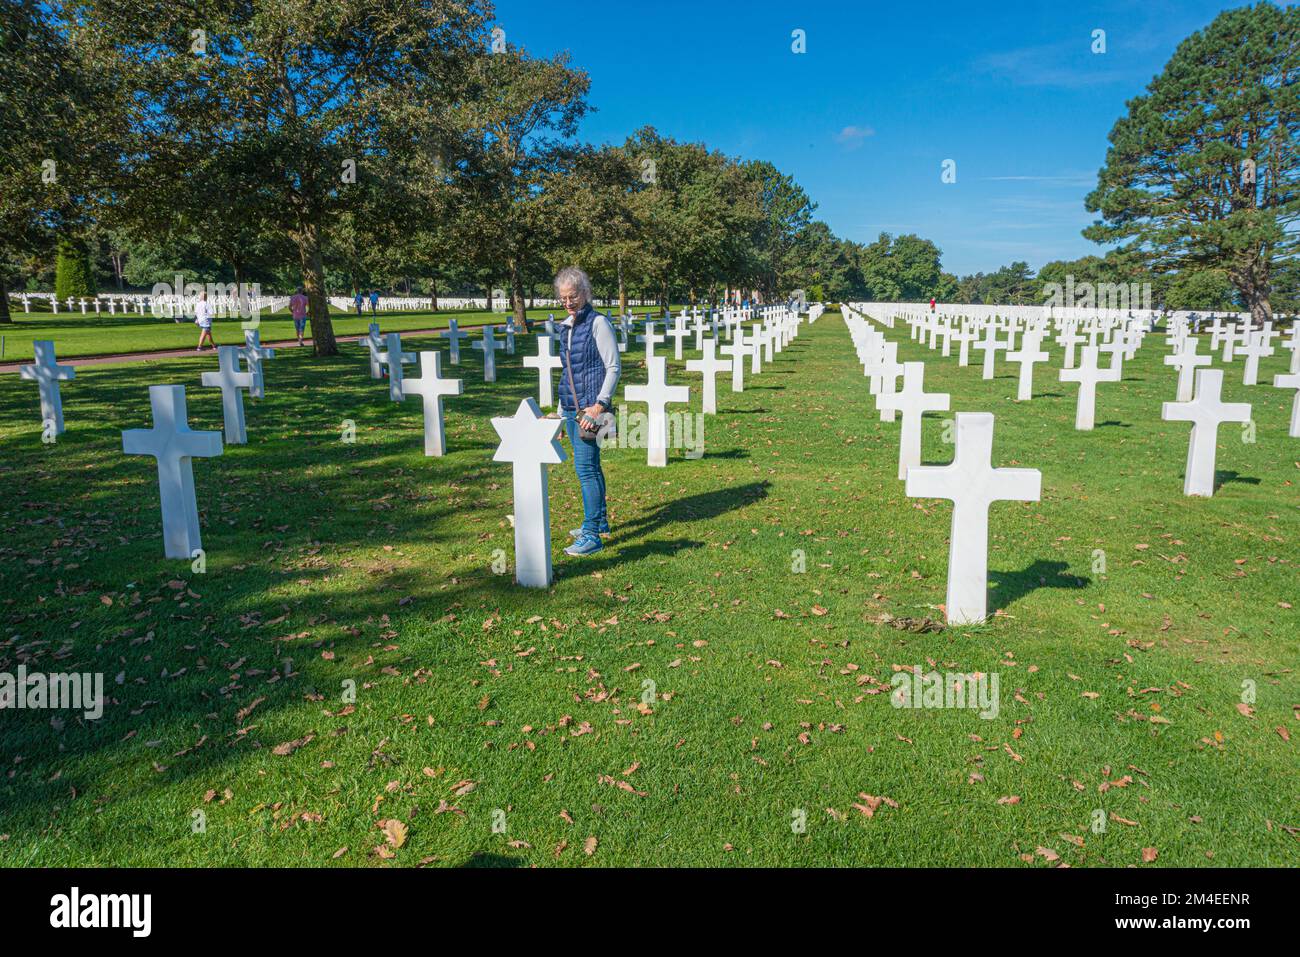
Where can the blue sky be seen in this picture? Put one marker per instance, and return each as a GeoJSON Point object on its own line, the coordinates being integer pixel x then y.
{"type": "Point", "coordinates": [1012, 92]}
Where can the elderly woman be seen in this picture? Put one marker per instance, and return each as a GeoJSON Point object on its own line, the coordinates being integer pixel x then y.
{"type": "Point", "coordinates": [590, 370]}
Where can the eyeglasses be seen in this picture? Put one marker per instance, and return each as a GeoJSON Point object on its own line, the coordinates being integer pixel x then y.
{"type": "Point", "coordinates": [573, 298]}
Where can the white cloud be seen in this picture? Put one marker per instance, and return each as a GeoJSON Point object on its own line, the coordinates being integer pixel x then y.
{"type": "Point", "coordinates": [852, 136]}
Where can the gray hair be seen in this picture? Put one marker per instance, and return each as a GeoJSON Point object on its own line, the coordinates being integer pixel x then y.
{"type": "Point", "coordinates": [575, 278]}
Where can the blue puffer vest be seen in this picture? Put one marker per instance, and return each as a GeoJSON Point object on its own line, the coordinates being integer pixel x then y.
{"type": "Point", "coordinates": [580, 354]}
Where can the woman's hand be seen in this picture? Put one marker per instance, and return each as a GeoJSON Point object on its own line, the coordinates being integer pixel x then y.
{"type": "Point", "coordinates": [594, 411]}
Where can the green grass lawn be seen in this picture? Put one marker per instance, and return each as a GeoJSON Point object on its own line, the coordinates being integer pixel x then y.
{"type": "Point", "coordinates": [479, 703]}
{"type": "Point", "coordinates": [78, 336]}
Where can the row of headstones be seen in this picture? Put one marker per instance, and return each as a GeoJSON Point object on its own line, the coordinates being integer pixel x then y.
{"type": "Point", "coordinates": [969, 481]}
{"type": "Point", "coordinates": [1198, 393]}
{"type": "Point", "coordinates": [972, 484]}
{"type": "Point", "coordinates": [878, 311]}
{"type": "Point", "coordinates": [777, 326]}
{"type": "Point", "coordinates": [124, 304]}
{"type": "Point", "coordinates": [48, 373]}
{"type": "Point", "coordinates": [1120, 339]}
{"type": "Point", "coordinates": [527, 438]}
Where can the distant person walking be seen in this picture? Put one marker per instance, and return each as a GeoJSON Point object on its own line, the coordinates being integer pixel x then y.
{"type": "Point", "coordinates": [203, 319]}
{"type": "Point", "coordinates": [360, 300]}
{"type": "Point", "coordinates": [298, 309]}
{"type": "Point", "coordinates": [374, 301]}
{"type": "Point", "coordinates": [932, 303]}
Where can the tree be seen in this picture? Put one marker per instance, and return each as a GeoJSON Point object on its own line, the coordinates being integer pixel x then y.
{"type": "Point", "coordinates": [1203, 170]}
{"type": "Point", "coordinates": [73, 277]}
{"type": "Point", "coordinates": [59, 118]}
{"type": "Point", "coordinates": [517, 117]}
{"type": "Point", "coordinates": [785, 211]}
{"type": "Point", "coordinates": [1209, 289]}
{"type": "Point", "coordinates": [315, 105]}
{"type": "Point", "coordinates": [697, 214]}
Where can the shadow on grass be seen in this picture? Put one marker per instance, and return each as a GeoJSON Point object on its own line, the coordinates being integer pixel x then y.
{"type": "Point", "coordinates": [1223, 477]}
{"type": "Point", "coordinates": [488, 859]}
{"type": "Point", "coordinates": [305, 535]}
{"type": "Point", "coordinates": [1009, 587]}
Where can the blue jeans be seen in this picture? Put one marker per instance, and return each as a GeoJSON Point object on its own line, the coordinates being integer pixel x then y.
{"type": "Point", "coordinates": [591, 478]}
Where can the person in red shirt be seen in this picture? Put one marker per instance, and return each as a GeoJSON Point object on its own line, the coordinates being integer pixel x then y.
{"type": "Point", "coordinates": [298, 309]}
{"type": "Point", "coordinates": [932, 303]}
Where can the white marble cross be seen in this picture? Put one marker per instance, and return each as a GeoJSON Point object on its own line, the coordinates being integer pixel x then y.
{"type": "Point", "coordinates": [393, 357]}
{"type": "Point", "coordinates": [488, 346]}
{"type": "Point", "coordinates": [544, 362]}
{"type": "Point", "coordinates": [768, 338]}
{"type": "Point", "coordinates": [1087, 374]}
{"type": "Point", "coordinates": [677, 333]}
{"type": "Point", "coordinates": [1291, 381]}
{"type": "Point", "coordinates": [709, 365]}
{"type": "Point", "coordinates": [884, 377]}
{"type": "Point", "coordinates": [230, 380]}
{"type": "Point", "coordinates": [973, 485]}
{"type": "Point", "coordinates": [528, 441]}
{"type": "Point", "coordinates": [964, 336]}
{"type": "Point", "coordinates": [1258, 347]}
{"type": "Point", "coordinates": [1185, 360]}
{"type": "Point", "coordinates": [1205, 412]}
{"type": "Point", "coordinates": [173, 443]}
{"type": "Point", "coordinates": [738, 349]}
{"type": "Point", "coordinates": [756, 342]}
{"type": "Point", "coordinates": [656, 394]}
{"type": "Point", "coordinates": [1233, 335]}
{"type": "Point", "coordinates": [1217, 331]}
{"type": "Point", "coordinates": [1116, 346]}
{"type": "Point", "coordinates": [651, 339]}
{"type": "Point", "coordinates": [453, 335]}
{"type": "Point", "coordinates": [510, 336]}
{"type": "Point", "coordinates": [1069, 338]}
{"type": "Point", "coordinates": [913, 402]}
{"type": "Point", "coordinates": [990, 345]}
{"type": "Point", "coordinates": [47, 372]}
{"type": "Point", "coordinates": [254, 353]}
{"type": "Point", "coordinates": [374, 345]}
{"type": "Point", "coordinates": [432, 387]}
{"type": "Point", "coordinates": [1293, 344]}
{"type": "Point", "coordinates": [1027, 355]}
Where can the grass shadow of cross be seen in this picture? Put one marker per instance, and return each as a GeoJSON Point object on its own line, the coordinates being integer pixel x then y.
{"type": "Point", "coordinates": [1222, 478]}
{"type": "Point", "coordinates": [1006, 588]}
{"type": "Point", "coordinates": [700, 507]}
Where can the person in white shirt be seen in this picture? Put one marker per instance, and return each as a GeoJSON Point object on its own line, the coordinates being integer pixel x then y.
{"type": "Point", "coordinates": [203, 319]}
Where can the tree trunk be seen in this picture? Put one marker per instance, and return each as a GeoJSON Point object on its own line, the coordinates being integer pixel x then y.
{"type": "Point", "coordinates": [1252, 282]}
{"type": "Point", "coordinates": [313, 282]}
{"type": "Point", "coordinates": [1261, 310]}
{"type": "Point", "coordinates": [433, 294]}
{"type": "Point", "coordinates": [5, 318]}
{"type": "Point", "coordinates": [489, 297]}
{"type": "Point", "coordinates": [622, 289]}
{"type": "Point", "coordinates": [517, 292]}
